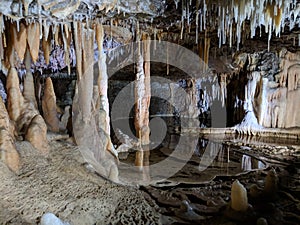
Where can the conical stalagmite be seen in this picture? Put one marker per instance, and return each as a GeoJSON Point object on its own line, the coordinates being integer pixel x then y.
{"type": "Point", "coordinates": [239, 199]}
{"type": "Point", "coordinates": [36, 134]}
{"type": "Point", "coordinates": [49, 106]}
{"type": "Point", "coordinates": [15, 98]}
{"type": "Point", "coordinates": [8, 152]}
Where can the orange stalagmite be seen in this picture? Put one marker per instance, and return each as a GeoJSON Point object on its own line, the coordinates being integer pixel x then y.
{"type": "Point", "coordinates": [49, 106]}
{"type": "Point", "coordinates": [15, 98]}
{"type": "Point", "coordinates": [36, 134]}
{"type": "Point", "coordinates": [8, 152]}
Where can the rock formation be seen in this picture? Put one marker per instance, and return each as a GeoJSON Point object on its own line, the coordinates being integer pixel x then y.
{"type": "Point", "coordinates": [239, 199]}
{"type": "Point", "coordinates": [23, 112]}
{"type": "Point", "coordinates": [49, 106]}
{"type": "Point", "coordinates": [8, 152]}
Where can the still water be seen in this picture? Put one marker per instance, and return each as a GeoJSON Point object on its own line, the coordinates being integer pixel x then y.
{"type": "Point", "coordinates": [182, 158]}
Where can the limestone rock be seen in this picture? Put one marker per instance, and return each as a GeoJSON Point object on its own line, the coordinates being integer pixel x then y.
{"type": "Point", "coordinates": [20, 40]}
{"type": "Point", "coordinates": [15, 98]}
{"type": "Point", "coordinates": [239, 199]}
{"type": "Point", "coordinates": [36, 134]}
{"type": "Point", "coordinates": [49, 106]}
{"type": "Point", "coordinates": [271, 184]}
{"type": "Point", "coordinates": [33, 40]}
{"type": "Point", "coordinates": [8, 152]}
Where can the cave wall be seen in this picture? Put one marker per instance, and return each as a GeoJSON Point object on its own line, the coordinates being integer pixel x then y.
{"type": "Point", "coordinates": [269, 88]}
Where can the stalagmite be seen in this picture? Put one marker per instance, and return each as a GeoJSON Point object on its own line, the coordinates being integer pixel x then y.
{"type": "Point", "coordinates": [29, 91]}
{"type": "Point", "coordinates": [33, 40]}
{"type": "Point", "coordinates": [239, 199]}
{"type": "Point", "coordinates": [49, 106]}
{"type": "Point", "coordinates": [8, 152]}
{"type": "Point", "coordinates": [271, 184]}
{"type": "Point", "coordinates": [36, 134]}
{"type": "Point", "coordinates": [15, 98]}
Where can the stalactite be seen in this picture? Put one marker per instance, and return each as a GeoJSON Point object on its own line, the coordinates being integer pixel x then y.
{"type": "Point", "coordinates": [78, 47]}
{"type": "Point", "coordinates": [20, 40]}
{"type": "Point", "coordinates": [67, 41]}
{"type": "Point", "coordinates": [206, 49]}
{"type": "Point", "coordinates": [26, 6]}
{"type": "Point", "coordinates": [33, 40]}
{"type": "Point", "coordinates": [46, 46]}
{"type": "Point", "coordinates": [49, 106]}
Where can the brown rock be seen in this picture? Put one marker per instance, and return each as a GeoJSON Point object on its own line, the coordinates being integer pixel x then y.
{"type": "Point", "coordinates": [33, 40]}
{"type": "Point", "coordinates": [36, 134]}
{"type": "Point", "coordinates": [20, 40]}
{"type": "Point", "coordinates": [49, 107]}
{"type": "Point", "coordinates": [8, 152]}
{"type": "Point", "coordinates": [15, 98]}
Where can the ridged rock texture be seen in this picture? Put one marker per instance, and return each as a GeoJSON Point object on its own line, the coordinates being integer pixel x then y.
{"type": "Point", "coordinates": [49, 106]}
{"type": "Point", "coordinates": [22, 111]}
{"type": "Point", "coordinates": [8, 152]}
{"type": "Point", "coordinates": [272, 87]}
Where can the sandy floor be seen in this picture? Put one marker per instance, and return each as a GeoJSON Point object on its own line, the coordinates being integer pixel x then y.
{"type": "Point", "coordinates": [62, 184]}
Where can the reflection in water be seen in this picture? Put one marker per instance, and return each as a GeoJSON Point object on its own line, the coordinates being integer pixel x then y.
{"type": "Point", "coordinates": [246, 163]}
{"type": "Point", "coordinates": [186, 158]}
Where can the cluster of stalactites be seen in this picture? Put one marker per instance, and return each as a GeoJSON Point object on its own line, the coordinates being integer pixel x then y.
{"type": "Point", "coordinates": [51, 45]}
{"type": "Point", "coordinates": [229, 18]}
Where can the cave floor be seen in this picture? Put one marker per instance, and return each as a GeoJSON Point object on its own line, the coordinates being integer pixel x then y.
{"type": "Point", "coordinates": [62, 183]}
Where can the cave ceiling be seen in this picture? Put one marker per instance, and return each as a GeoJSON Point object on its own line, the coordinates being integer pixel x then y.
{"type": "Point", "coordinates": [215, 24]}
{"type": "Point", "coordinates": [227, 18]}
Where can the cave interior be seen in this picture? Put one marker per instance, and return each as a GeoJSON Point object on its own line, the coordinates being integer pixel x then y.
{"type": "Point", "coordinates": [150, 112]}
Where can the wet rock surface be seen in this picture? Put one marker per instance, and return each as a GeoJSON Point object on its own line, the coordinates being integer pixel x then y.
{"type": "Point", "coordinates": [209, 202]}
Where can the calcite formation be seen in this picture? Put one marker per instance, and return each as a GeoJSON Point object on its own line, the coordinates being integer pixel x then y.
{"type": "Point", "coordinates": [49, 106]}
{"type": "Point", "coordinates": [239, 199]}
{"type": "Point", "coordinates": [8, 152]}
{"type": "Point", "coordinates": [48, 36]}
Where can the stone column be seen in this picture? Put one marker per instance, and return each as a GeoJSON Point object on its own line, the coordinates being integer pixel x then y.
{"type": "Point", "coordinates": [143, 96]}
